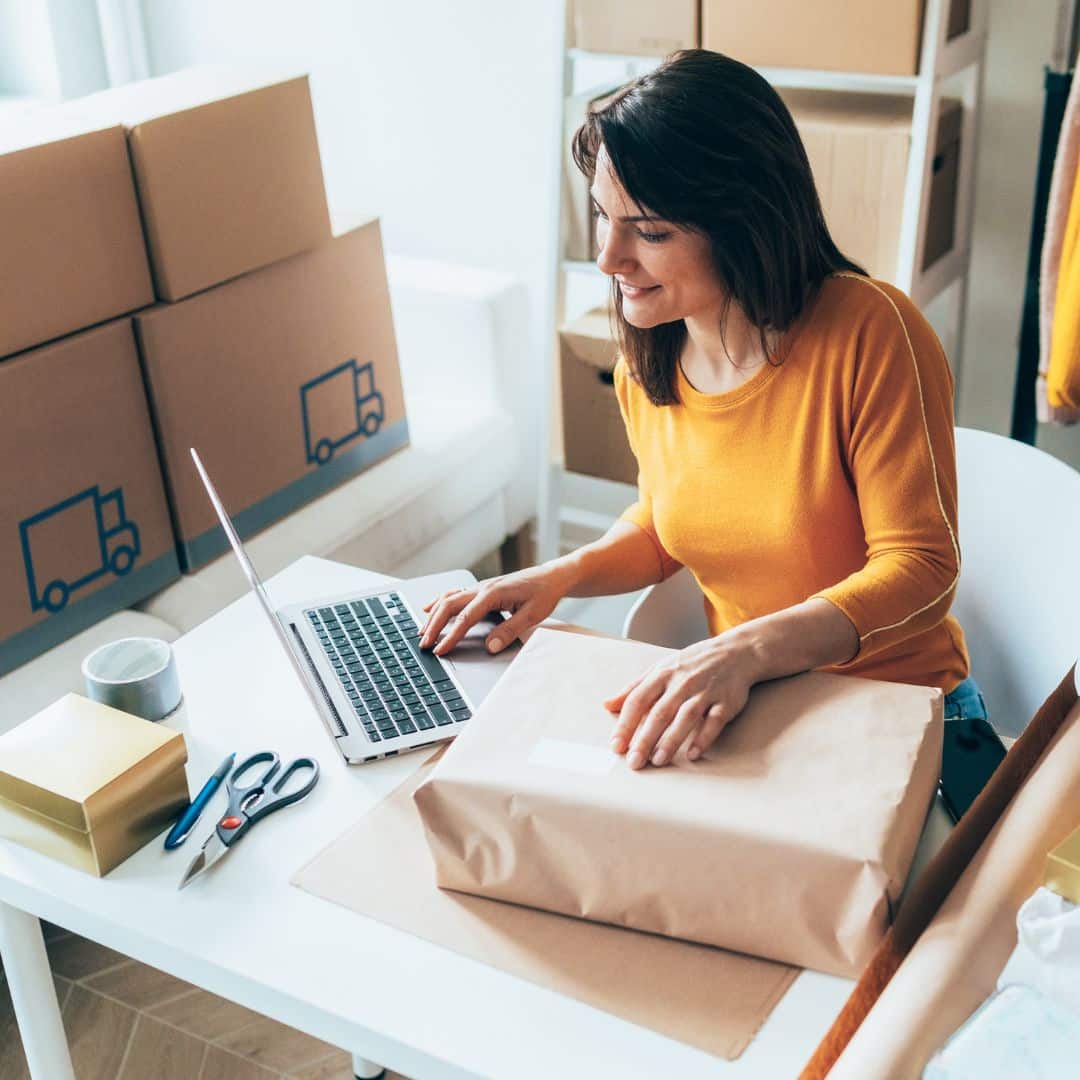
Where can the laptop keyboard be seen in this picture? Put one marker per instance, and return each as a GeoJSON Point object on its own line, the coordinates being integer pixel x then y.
{"type": "Point", "coordinates": [395, 688]}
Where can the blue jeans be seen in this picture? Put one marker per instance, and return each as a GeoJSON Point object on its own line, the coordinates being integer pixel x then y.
{"type": "Point", "coordinates": [965, 702]}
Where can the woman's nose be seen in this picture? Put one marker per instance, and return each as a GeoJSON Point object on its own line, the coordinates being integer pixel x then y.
{"type": "Point", "coordinates": [613, 255]}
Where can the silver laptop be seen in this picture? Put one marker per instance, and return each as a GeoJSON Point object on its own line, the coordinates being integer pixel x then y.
{"type": "Point", "coordinates": [359, 660]}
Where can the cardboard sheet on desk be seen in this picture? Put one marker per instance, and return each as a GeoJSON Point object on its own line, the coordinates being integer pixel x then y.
{"type": "Point", "coordinates": [706, 997]}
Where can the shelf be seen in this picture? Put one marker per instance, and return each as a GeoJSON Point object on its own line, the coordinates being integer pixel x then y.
{"type": "Point", "coordinates": [959, 53]}
{"type": "Point", "coordinates": [956, 67]}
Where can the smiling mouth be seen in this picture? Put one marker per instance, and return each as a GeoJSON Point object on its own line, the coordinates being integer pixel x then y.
{"type": "Point", "coordinates": [627, 287]}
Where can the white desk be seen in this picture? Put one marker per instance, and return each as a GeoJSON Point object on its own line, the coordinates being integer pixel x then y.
{"type": "Point", "coordinates": [243, 932]}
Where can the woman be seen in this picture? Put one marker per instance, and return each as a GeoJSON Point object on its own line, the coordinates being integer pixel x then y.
{"type": "Point", "coordinates": [791, 419]}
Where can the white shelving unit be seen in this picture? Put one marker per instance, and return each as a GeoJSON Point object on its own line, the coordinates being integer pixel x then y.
{"type": "Point", "coordinates": [954, 65]}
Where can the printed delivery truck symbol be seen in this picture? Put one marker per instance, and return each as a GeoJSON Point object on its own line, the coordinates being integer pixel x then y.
{"type": "Point", "coordinates": [340, 405]}
{"type": "Point", "coordinates": [73, 543]}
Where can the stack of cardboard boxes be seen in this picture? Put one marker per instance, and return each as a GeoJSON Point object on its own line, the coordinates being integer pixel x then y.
{"type": "Point", "coordinates": [264, 341]}
{"type": "Point", "coordinates": [858, 147]}
{"type": "Point", "coordinates": [883, 37]}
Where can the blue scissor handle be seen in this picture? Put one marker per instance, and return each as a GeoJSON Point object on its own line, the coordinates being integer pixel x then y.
{"type": "Point", "coordinates": [250, 803]}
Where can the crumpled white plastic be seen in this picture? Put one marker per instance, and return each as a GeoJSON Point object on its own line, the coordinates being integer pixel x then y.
{"type": "Point", "coordinates": [1047, 953]}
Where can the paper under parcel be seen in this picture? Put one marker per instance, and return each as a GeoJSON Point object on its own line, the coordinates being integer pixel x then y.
{"type": "Point", "coordinates": [790, 839]}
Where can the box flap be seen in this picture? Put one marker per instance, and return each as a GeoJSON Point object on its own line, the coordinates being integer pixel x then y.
{"type": "Point", "coordinates": [840, 109]}
{"type": "Point", "coordinates": [589, 339]}
{"type": "Point", "coordinates": [149, 99]}
{"type": "Point", "coordinates": [58, 760]}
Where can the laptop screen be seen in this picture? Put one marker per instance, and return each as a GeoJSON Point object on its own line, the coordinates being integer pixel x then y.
{"type": "Point", "coordinates": [250, 573]}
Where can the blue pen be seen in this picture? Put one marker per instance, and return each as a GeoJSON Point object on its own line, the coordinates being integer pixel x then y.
{"type": "Point", "coordinates": [179, 832]}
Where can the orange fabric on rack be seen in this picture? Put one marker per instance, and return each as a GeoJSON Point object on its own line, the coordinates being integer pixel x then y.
{"type": "Point", "coordinates": [1063, 371]}
{"type": "Point", "coordinates": [831, 474]}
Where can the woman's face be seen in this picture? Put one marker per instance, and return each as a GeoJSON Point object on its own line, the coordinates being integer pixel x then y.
{"type": "Point", "coordinates": [664, 272]}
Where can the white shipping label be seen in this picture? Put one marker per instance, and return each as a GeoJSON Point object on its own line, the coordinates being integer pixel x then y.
{"type": "Point", "coordinates": [571, 756]}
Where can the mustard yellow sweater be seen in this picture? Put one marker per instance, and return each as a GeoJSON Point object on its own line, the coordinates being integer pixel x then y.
{"type": "Point", "coordinates": [832, 474]}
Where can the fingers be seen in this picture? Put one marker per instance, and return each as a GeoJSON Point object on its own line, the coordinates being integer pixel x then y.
{"type": "Point", "coordinates": [449, 592]}
{"type": "Point", "coordinates": [637, 704]}
{"type": "Point", "coordinates": [614, 704]}
{"type": "Point", "coordinates": [670, 717]}
{"type": "Point", "coordinates": [686, 720]}
{"type": "Point", "coordinates": [467, 615]}
{"type": "Point", "coordinates": [443, 608]}
{"type": "Point", "coordinates": [716, 719]}
{"type": "Point", "coordinates": [511, 629]}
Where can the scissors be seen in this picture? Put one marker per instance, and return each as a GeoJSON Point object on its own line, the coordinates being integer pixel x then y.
{"type": "Point", "coordinates": [251, 803]}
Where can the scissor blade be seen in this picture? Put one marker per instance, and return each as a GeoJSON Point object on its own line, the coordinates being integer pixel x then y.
{"type": "Point", "coordinates": [211, 851]}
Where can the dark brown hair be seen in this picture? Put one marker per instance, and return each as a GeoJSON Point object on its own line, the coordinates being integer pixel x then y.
{"type": "Point", "coordinates": [705, 143]}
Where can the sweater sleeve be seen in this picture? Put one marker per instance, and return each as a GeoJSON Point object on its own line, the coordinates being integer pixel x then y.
{"type": "Point", "coordinates": [1063, 370]}
{"type": "Point", "coordinates": [902, 461]}
{"type": "Point", "coordinates": [640, 513]}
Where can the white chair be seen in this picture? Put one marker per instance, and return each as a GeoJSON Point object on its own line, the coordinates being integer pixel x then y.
{"type": "Point", "coordinates": [1019, 594]}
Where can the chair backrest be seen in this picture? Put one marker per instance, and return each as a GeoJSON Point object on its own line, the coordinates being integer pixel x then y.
{"type": "Point", "coordinates": [1019, 594]}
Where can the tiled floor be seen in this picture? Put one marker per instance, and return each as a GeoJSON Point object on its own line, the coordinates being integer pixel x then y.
{"type": "Point", "coordinates": [127, 1021]}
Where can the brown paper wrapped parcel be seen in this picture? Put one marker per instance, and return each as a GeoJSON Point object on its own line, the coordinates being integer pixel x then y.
{"type": "Point", "coordinates": [790, 838]}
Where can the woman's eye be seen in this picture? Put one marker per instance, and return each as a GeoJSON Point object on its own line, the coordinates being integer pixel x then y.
{"type": "Point", "coordinates": [653, 237]}
{"type": "Point", "coordinates": [598, 213]}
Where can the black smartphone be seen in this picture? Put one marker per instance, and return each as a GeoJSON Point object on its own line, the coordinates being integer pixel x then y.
{"type": "Point", "coordinates": [971, 753]}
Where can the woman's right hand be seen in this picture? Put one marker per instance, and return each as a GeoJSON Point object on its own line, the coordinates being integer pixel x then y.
{"type": "Point", "coordinates": [529, 595]}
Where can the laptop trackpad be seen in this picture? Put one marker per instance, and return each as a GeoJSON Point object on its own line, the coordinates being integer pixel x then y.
{"type": "Point", "coordinates": [477, 669]}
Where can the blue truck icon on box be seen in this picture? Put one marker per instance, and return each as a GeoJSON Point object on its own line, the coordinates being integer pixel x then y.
{"type": "Point", "coordinates": [75, 542]}
{"type": "Point", "coordinates": [340, 405]}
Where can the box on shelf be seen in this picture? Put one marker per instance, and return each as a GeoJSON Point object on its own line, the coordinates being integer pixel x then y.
{"type": "Point", "coordinates": [84, 525]}
{"type": "Point", "coordinates": [579, 239]}
{"type": "Point", "coordinates": [227, 167]}
{"type": "Point", "coordinates": [594, 436]}
{"type": "Point", "coordinates": [944, 183]}
{"type": "Point", "coordinates": [881, 37]}
{"type": "Point", "coordinates": [858, 147]}
{"type": "Point", "coordinates": [635, 27]}
{"type": "Point", "coordinates": [790, 839]}
{"type": "Point", "coordinates": [89, 785]}
{"type": "Point", "coordinates": [305, 391]}
{"type": "Point", "coordinates": [71, 243]}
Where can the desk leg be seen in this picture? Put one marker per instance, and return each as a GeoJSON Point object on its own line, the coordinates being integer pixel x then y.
{"type": "Point", "coordinates": [364, 1069]}
{"type": "Point", "coordinates": [33, 995]}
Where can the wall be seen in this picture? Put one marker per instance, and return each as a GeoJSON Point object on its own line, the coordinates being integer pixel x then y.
{"type": "Point", "coordinates": [27, 61]}
{"type": "Point", "coordinates": [441, 118]}
{"type": "Point", "coordinates": [1019, 46]}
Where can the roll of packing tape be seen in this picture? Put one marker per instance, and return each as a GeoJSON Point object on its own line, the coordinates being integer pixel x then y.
{"type": "Point", "coordinates": [135, 674]}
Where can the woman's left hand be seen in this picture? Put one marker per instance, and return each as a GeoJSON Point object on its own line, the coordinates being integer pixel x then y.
{"type": "Point", "coordinates": [695, 693]}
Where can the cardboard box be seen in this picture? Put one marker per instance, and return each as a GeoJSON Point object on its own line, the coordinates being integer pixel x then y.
{"type": "Point", "coordinates": [285, 380]}
{"type": "Point", "coordinates": [71, 244]}
{"type": "Point", "coordinates": [594, 436]}
{"type": "Point", "coordinates": [635, 27]}
{"type": "Point", "coordinates": [84, 526]}
{"type": "Point", "coordinates": [879, 36]}
{"type": "Point", "coordinates": [227, 168]}
{"type": "Point", "coordinates": [791, 838]}
{"type": "Point", "coordinates": [89, 785]}
{"type": "Point", "coordinates": [1062, 873]}
{"type": "Point", "coordinates": [944, 184]}
{"type": "Point", "coordinates": [858, 146]}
